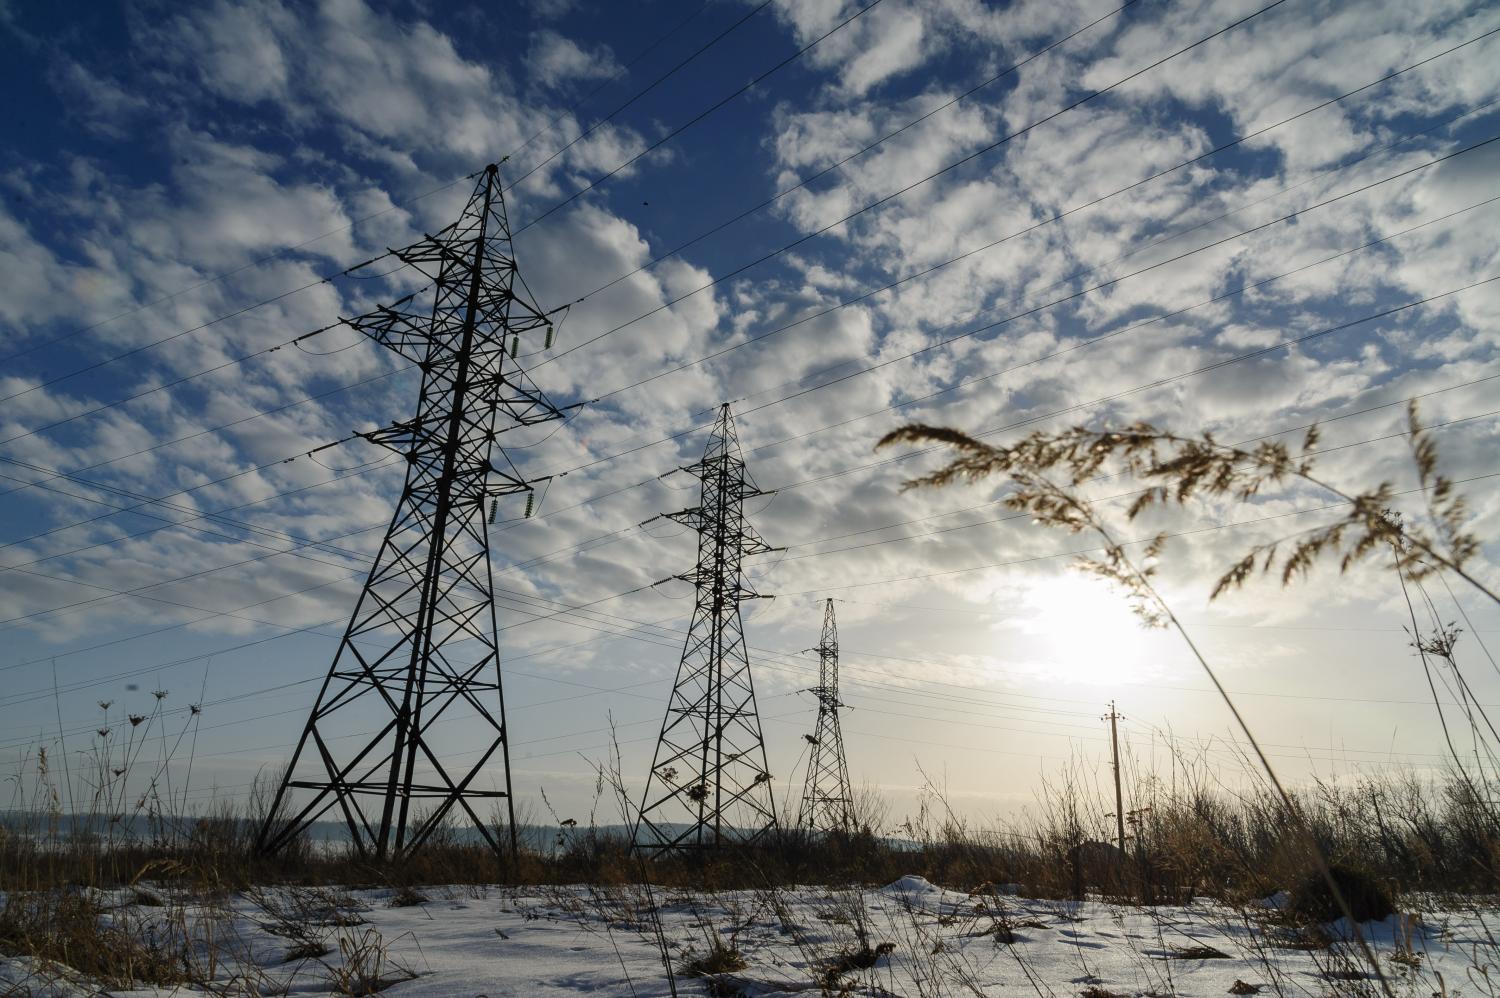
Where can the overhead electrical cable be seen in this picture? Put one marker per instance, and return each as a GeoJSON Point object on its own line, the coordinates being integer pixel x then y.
{"type": "Point", "coordinates": [1114, 396]}
{"type": "Point", "coordinates": [566, 609]}
{"type": "Point", "coordinates": [802, 183]}
{"type": "Point", "coordinates": [392, 206]}
{"type": "Point", "coordinates": [1096, 550]}
{"type": "Point", "coordinates": [706, 112]}
{"type": "Point", "coordinates": [671, 437]}
{"type": "Point", "coordinates": [618, 75]}
{"type": "Point", "coordinates": [1373, 242]}
{"type": "Point", "coordinates": [167, 385]}
{"type": "Point", "coordinates": [602, 540]}
{"type": "Point", "coordinates": [356, 573]}
{"type": "Point", "coordinates": [1105, 337]}
{"type": "Point", "coordinates": [133, 351]}
{"type": "Point", "coordinates": [658, 81]}
{"type": "Point", "coordinates": [801, 669]}
{"type": "Point", "coordinates": [240, 421]}
{"type": "Point", "coordinates": [784, 192]}
{"type": "Point", "coordinates": [1037, 309]}
{"type": "Point", "coordinates": [912, 186]}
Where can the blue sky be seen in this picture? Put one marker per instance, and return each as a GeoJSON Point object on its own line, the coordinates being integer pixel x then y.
{"type": "Point", "coordinates": [171, 165]}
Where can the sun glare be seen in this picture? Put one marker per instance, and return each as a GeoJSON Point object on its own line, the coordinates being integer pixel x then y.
{"type": "Point", "coordinates": [1081, 631]}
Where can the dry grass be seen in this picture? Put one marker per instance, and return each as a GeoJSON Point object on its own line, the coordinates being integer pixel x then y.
{"type": "Point", "coordinates": [720, 958]}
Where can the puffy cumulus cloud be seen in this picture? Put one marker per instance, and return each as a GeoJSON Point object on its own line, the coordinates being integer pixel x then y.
{"type": "Point", "coordinates": [100, 103]}
{"type": "Point", "coordinates": [240, 49]}
{"type": "Point", "coordinates": [556, 61]}
{"type": "Point", "coordinates": [885, 42]}
{"type": "Point", "coordinates": [388, 85]}
{"type": "Point", "coordinates": [898, 37]}
{"type": "Point", "coordinates": [227, 204]}
{"type": "Point", "coordinates": [46, 287]}
{"type": "Point", "coordinates": [807, 143]}
{"type": "Point", "coordinates": [1290, 58]}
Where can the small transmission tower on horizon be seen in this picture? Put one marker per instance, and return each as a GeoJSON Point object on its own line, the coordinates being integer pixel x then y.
{"type": "Point", "coordinates": [827, 803]}
{"type": "Point", "coordinates": [709, 783]}
{"type": "Point", "coordinates": [416, 678]}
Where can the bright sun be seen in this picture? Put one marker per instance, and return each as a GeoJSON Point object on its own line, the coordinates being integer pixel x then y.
{"type": "Point", "coordinates": [1079, 630]}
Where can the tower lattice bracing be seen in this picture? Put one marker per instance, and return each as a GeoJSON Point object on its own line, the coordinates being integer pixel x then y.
{"type": "Point", "coordinates": [709, 784]}
{"type": "Point", "coordinates": [827, 804]}
{"type": "Point", "coordinates": [408, 729]}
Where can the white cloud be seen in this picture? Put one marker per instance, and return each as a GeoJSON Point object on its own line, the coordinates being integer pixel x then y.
{"type": "Point", "coordinates": [555, 61]}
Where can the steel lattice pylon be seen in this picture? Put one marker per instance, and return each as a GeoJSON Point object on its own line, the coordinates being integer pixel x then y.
{"type": "Point", "coordinates": [709, 782]}
{"type": "Point", "coordinates": [827, 804]}
{"type": "Point", "coordinates": [416, 677]}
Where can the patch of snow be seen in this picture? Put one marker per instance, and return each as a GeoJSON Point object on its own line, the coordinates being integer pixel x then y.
{"type": "Point", "coordinates": [911, 884]}
{"type": "Point", "coordinates": [901, 939]}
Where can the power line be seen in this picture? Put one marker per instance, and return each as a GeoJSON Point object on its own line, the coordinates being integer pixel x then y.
{"type": "Point", "coordinates": [1161, 382]}
{"type": "Point", "coordinates": [623, 71]}
{"type": "Point", "coordinates": [721, 226]}
{"type": "Point", "coordinates": [393, 206]}
{"type": "Point", "coordinates": [594, 542]}
{"type": "Point", "coordinates": [1103, 337]}
{"type": "Point", "coordinates": [1261, 131]}
{"type": "Point", "coordinates": [1119, 495]}
{"type": "Point", "coordinates": [1078, 346]}
{"type": "Point", "coordinates": [904, 690]}
{"type": "Point", "coordinates": [567, 609]}
{"type": "Point", "coordinates": [950, 167]}
{"type": "Point", "coordinates": [1056, 218]}
{"type": "Point", "coordinates": [652, 147]}
{"type": "Point", "coordinates": [642, 92]}
{"type": "Point", "coordinates": [347, 473]}
{"type": "Point", "coordinates": [224, 426]}
{"type": "Point", "coordinates": [1035, 310]}
{"type": "Point", "coordinates": [1136, 273]}
{"type": "Point", "coordinates": [1194, 372]}
{"type": "Point", "coordinates": [304, 542]}
{"type": "Point", "coordinates": [1096, 550]}
{"type": "Point", "coordinates": [185, 332]}
{"type": "Point", "coordinates": [1070, 349]}
{"type": "Point", "coordinates": [323, 280]}
{"type": "Point", "coordinates": [784, 655]}
{"type": "Point", "coordinates": [164, 583]}
{"type": "Point", "coordinates": [927, 271]}
{"type": "Point", "coordinates": [165, 386]}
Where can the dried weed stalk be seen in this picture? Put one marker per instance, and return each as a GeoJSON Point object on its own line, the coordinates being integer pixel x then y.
{"type": "Point", "coordinates": [1048, 467]}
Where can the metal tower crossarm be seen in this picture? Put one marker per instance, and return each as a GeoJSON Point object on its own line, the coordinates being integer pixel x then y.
{"type": "Point", "coordinates": [421, 643]}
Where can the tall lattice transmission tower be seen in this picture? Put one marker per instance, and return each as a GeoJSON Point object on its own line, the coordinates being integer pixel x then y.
{"type": "Point", "coordinates": [709, 783]}
{"type": "Point", "coordinates": [415, 683]}
{"type": "Point", "coordinates": [827, 804]}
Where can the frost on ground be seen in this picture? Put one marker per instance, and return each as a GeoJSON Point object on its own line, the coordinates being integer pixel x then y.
{"type": "Point", "coordinates": [909, 938]}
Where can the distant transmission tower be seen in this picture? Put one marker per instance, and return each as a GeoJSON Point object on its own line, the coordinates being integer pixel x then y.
{"type": "Point", "coordinates": [827, 804]}
{"type": "Point", "coordinates": [415, 683]}
{"type": "Point", "coordinates": [709, 783]}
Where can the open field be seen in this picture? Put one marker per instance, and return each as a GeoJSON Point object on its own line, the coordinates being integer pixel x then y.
{"type": "Point", "coordinates": [908, 938]}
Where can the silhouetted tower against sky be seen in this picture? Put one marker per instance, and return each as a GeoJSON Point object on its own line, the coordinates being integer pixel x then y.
{"type": "Point", "coordinates": [709, 783]}
{"type": "Point", "coordinates": [827, 804]}
{"type": "Point", "coordinates": [409, 725]}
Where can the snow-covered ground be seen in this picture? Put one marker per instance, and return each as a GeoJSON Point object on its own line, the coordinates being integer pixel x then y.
{"type": "Point", "coordinates": [910, 937]}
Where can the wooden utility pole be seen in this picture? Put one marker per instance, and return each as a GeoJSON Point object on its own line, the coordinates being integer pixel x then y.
{"type": "Point", "coordinates": [1113, 717]}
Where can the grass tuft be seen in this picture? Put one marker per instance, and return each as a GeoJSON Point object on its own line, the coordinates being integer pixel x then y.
{"type": "Point", "coordinates": [720, 959]}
